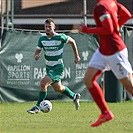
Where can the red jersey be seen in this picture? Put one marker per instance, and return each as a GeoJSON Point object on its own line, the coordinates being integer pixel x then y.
{"type": "Point", "coordinates": [106, 13]}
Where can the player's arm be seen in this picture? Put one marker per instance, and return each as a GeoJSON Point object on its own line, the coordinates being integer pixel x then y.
{"type": "Point", "coordinates": [37, 53]}
{"type": "Point", "coordinates": [74, 47]}
{"type": "Point", "coordinates": [106, 28]}
{"type": "Point", "coordinates": [123, 14]}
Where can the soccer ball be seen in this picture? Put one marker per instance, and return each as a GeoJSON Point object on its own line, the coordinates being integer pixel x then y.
{"type": "Point", "coordinates": [45, 106]}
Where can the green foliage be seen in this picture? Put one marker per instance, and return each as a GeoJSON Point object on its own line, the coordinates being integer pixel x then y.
{"type": "Point", "coordinates": [64, 118]}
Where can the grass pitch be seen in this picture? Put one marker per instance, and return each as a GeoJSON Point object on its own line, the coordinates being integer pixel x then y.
{"type": "Point", "coordinates": [64, 118]}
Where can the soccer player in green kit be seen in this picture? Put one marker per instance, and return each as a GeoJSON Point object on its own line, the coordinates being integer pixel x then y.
{"type": "Point", "coordinates": [53, 43]}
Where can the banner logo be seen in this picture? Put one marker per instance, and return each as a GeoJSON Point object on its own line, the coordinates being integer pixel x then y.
{"type": "Point", "coordinates": [85, 55]}
{"type": "Point", "coordinates": [19, 57]}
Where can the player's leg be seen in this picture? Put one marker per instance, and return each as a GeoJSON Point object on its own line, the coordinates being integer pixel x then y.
{"type": "Point", "coordinates": [90, 78]}
{"type": "Point", "coordinates": [122, 69]}
{"type": "Point", "coordinates": [45, 82]}
{"type": "Point", "coordinates": [128, 83]}
{"type": "Point", "coordinates": [96, 91]}
{"type": "Point", "coordinates": [56, 84]}
{"type": "Point", "coordinates": [58, 87]}
{"type": "Point", "coordinates": [56, 81]}
{"type": "Point", "coordinates": [96, 65]}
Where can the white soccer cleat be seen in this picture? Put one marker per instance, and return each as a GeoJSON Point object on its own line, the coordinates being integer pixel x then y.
{"type": "Point", "coordinates": [34, 110]}
{"type": "Point", "coordinates": [76, 100]}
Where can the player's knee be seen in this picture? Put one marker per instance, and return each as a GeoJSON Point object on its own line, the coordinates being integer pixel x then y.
{"type": "Point", "coordinates": [88, 82]}
{"type": "Point", "coordinates": [43, 87]}
{"type": "Point", "coordinates": [129, 88]}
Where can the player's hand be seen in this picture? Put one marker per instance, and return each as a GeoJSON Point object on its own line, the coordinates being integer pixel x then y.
{"type": "Point", "coordinates": [77, 59]}
{"type": "Point", "coordinates": [37, 57]}
{"type": "Point", "coordinates": [80, 27]}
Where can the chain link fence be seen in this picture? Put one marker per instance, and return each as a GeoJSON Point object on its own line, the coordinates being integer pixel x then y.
{"type": "Point", "coordinates": [30, 14]}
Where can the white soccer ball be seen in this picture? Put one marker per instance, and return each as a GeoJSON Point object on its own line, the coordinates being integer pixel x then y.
{"type": "Point", "coordinates": [45, 106]}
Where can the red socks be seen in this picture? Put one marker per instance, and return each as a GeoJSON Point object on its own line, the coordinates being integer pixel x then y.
{"type": "Point", "coordinates": [98, 97]}
{"type": "Point", "coordinates": [97, 94]}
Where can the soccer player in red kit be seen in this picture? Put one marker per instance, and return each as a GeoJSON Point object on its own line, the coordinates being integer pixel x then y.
{"type": "Point", "coordinates": [112, 53]}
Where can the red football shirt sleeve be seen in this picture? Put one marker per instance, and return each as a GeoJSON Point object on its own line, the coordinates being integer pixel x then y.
{"type": "Point", "coordinates": [123, 14]}
{"type": "Point", "coordinates": [106, 28]}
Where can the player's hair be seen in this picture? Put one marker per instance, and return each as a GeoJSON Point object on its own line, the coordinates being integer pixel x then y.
{"type": "Point", "coordinates": [49, 20]}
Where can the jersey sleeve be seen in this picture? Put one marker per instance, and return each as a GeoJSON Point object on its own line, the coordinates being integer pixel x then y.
{"type": "Point", "coordinates": [39, 45]}
{"type": "Point", "coordinates": [101, 10]}
{"type": "Point", "coordinates": [106, 22]}
{"type": "Point", "coordinates": [123, 14]}
{"type": "Point", "coordinates": [64, 38]}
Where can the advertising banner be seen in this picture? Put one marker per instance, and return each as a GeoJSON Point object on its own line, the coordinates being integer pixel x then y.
{"type": "Point", "coordinates": [20, 74]}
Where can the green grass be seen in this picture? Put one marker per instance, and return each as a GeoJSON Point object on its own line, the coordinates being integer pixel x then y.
{"type": "Point", "coordinates": [64, 118]}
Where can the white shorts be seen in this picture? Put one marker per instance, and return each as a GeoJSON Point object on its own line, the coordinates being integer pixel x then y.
{"type": "Point", "coordinates": [117, 62]}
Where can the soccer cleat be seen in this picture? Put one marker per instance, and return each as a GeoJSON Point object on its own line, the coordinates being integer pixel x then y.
{"type": "Point", "coordinates": [34, 110]}
{"type": "Point", "coordinates": [103, 118]}
{"type": "Point", "coordinates": [76, 100]}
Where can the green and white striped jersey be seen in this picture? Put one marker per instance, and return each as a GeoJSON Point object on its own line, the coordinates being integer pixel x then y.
{"type": "Point", "coordinates": [53, 48]}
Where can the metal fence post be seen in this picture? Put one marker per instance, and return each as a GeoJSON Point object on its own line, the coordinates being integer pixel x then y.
{"type": "Point", "coordinates": [12, 14]}
{"type": "Point", "coordinates": [85, 12]}
{"type": "Point", "coordinates": [7, 15]}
